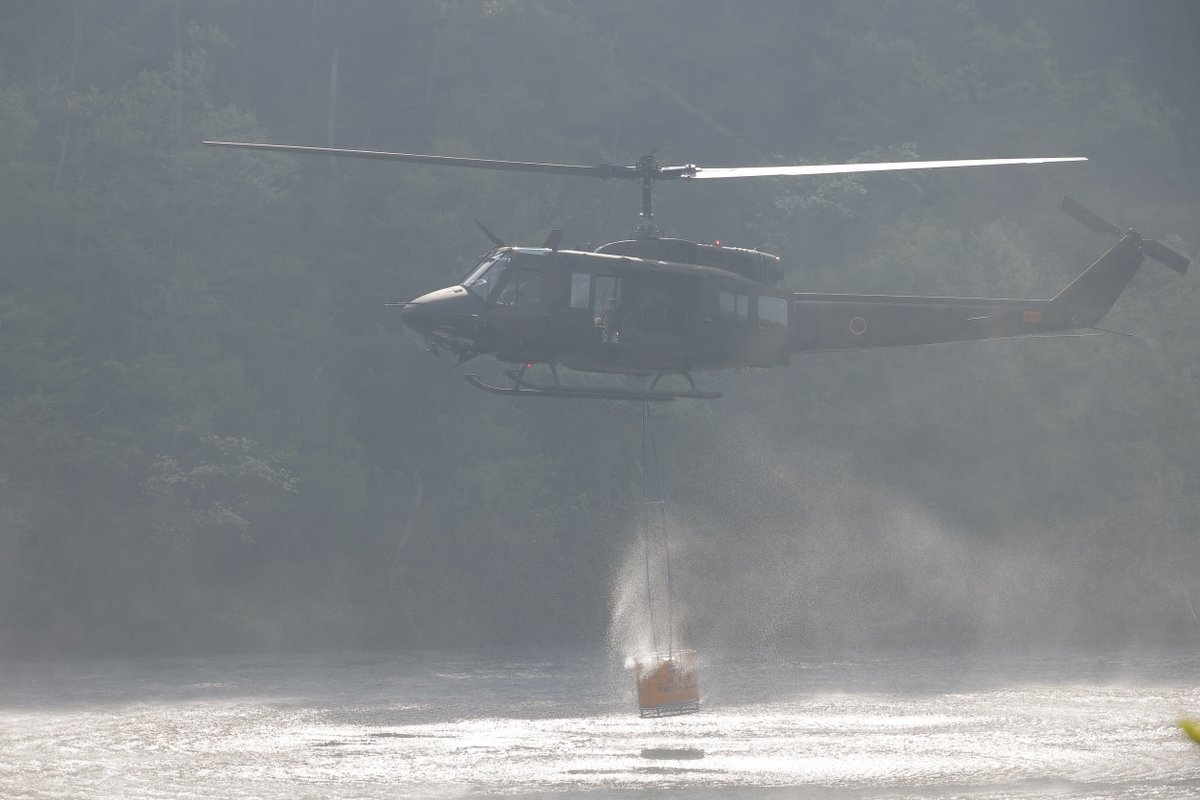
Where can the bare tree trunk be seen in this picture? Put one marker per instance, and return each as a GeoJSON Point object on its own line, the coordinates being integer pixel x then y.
{"type": "Point", "coordinates": [331, 122]}
{"type": "Point", "coordinates": [178, 70]}
{"type": "Point", "coordinates": [76, 45]}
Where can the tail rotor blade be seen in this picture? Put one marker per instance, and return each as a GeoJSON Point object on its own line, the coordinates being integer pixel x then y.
{"type": "Point", "coordinates": [1151, 248]}
{"type": "Point", "coordinates": [1165, 255]}
{"type": "Point", "coordinates": [1089, 218]}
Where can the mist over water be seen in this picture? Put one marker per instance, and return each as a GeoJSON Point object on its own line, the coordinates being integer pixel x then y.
{"type": "Point", "coordinates": [811, 551]}
{"type": "Point", "coordinates": [804, 550]}
{"type": "Point", "coordinates": [866, 567]}
{"type": "Point", "coordinates": [649, 612]}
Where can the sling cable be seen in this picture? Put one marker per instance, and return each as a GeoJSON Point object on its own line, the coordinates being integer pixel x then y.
{"type": "Point", "coordinates": [667, 680]}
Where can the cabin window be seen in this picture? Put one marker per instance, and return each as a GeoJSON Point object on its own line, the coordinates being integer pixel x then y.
{"type": "Point", "coordinates": [608, 315]}
{"type": "Point", "coordinates": [733, 306]}
{"type": "Point", "coordinates": [608, 292]}
{"type": "Point", "coordinates": [523, 289]}
{"type": "Point", "coordinates": [772, 312]}
{"type": "Point", "coordinates": [581, 290]}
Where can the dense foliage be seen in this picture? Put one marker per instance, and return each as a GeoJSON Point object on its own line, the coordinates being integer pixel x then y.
{"type": "Point", "coordinates": [216, 436]}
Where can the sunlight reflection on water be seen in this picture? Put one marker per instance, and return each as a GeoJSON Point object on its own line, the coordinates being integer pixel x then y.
{"type": "Point", "coordinates": [445, 724]}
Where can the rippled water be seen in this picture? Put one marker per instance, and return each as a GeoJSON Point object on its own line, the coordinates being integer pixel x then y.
{"type": "Point", "coordinates": [565, 723]}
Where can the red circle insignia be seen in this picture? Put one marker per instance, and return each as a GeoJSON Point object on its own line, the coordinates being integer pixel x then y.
{"type": "Point", "coordinates": [858, 326]}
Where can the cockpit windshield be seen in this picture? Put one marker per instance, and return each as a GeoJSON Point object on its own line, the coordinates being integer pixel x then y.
{"type": "Point", "coordinates": [484, 278]}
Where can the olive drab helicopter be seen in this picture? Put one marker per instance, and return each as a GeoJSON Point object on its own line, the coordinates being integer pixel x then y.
{"type": "Point", "coordinates": [661, 308]}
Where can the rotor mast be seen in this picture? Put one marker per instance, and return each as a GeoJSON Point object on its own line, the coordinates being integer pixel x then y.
{"type": "Point", "coordinates": [647, 169]}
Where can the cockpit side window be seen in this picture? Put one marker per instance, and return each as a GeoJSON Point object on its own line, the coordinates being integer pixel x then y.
{"type": "Point", "coordinates": [529, 290]}
{"type": "Point", "coordinates": [484, 278]}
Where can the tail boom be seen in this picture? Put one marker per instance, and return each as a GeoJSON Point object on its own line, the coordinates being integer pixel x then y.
{"type": "Point", "coordinates": [861, 322]}
{"type": "Point", "coordinates": [858, 322]}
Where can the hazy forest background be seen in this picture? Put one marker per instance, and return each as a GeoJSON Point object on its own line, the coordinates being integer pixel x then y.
{"type": "Point", "coordinates": [216, 437]}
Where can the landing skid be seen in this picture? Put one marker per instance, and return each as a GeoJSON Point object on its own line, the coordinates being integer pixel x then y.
{"type": "Point", "coordinates": [523, 387]}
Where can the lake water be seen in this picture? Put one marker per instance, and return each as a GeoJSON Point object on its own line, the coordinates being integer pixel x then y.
{"type": "Point", "coordinates": [565, 723]}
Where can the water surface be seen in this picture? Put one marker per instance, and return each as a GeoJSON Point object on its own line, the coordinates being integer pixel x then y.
{"type": "Point", "coordinates": [564, 723]}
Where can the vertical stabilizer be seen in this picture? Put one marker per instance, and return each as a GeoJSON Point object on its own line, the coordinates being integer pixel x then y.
{"type": "Point", "coordinates": [1094, 292]}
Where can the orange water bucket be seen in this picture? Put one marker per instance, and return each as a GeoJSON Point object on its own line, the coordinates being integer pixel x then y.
{"type": "Point", "coordinates": [667, 683]}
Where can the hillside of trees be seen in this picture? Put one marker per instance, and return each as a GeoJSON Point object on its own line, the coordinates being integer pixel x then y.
{"type": "Point", "coordinates": [217, 437]}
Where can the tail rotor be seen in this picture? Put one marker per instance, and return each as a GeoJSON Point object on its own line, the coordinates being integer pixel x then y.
{"type": "Point", "coordinates": [1152, 248]}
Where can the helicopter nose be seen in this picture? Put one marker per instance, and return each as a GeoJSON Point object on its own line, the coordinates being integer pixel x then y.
{"type": "Point", "coordinates": [444, 315]}
{"type": "Point", "coordinates": [417, 316]}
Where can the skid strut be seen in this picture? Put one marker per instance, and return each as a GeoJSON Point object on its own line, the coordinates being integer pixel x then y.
{"type": "Point", "coordinates": [524, 387]}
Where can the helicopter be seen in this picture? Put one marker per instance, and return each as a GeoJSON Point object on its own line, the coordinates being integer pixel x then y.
{"type": "Point", "coordinates": [660, 308]}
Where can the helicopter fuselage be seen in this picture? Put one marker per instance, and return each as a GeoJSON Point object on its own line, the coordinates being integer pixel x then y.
{"type": "Point", "coordinates": [603, 312]}
{"type": "Point", "coordinates": [609, 312]}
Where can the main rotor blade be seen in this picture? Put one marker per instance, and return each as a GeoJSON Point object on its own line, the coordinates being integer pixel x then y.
{"type": "Point", "coordinates": [599, 171]}
{"type": "Point", "coordinates": [645, 172]}
{"type": "Point", "coordinates": [493, 238]}
{"type": "Point", "coordinates": [885, 166]}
